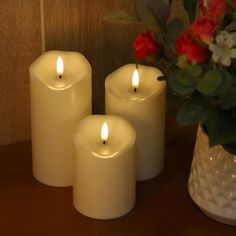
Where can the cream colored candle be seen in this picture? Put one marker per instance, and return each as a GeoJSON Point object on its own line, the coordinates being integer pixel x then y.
{"type": "Point", "coordinates": [105, 168]}
{"type": "Point", "coordinates": [60, 89]}
{"type": "Point", "coordinates": [139, 97]}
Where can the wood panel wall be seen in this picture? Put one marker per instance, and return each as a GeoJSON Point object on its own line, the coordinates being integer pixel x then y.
{"type": "Point", "coordinates": [68, 25]}
{"type": "Point", "coordinates": [19, 46]}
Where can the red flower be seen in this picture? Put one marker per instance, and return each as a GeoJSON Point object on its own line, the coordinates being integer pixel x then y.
{"type": "Point", "coordinates": [187, 45]}
{"type": "Point", "coordinates": [203, 28]}
{"type": "Point", "coordinates": [145, 46]}
{"type": "Point", "coordinates": [213, 8]}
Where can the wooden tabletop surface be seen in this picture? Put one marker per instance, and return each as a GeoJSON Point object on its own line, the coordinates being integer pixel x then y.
{"type": "Point", "coordinates": [163, 205]}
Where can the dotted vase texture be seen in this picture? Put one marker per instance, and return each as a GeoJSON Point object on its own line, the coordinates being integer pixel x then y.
{"type": "Point", "coordinates": [212, 181]}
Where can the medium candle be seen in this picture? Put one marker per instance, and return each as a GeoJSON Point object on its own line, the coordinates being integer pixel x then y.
{"type": "Point", "coordinates": [105, 167]}
{"type": "Point", "coordinates": [60, 89]}
{"type": "Point", "coordinates": [137, 95]}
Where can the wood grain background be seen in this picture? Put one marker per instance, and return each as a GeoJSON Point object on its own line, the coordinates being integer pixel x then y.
{"type": "Point", "coordinates": [69, 25]}
{"type": "Point", "coordinates": [19, 46]}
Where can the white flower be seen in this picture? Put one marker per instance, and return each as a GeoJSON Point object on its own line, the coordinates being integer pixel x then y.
{"type": "Point", "coordinates": [223, 50]}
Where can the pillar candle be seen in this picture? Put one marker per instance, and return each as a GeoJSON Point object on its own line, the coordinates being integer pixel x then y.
{"type": "Point", "coordinates": [105, 168]}
{"type": "Point", "coordinates": [60, 90]}
{"type": "Point", "coordinates": [139, 97]}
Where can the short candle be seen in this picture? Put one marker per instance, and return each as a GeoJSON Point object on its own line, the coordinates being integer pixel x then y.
{"type": "Point", "coordinates": [133, 92]}
{"type": "Point", "coordinates": [105, 167]}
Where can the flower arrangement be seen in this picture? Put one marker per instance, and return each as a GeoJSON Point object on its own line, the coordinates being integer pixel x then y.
{"type": "Point", "coordinates": [198, 59]}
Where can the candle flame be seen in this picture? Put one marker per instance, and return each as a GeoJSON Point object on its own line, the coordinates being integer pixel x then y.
{"type": "Point", "coordinates": [135, 79]}
{"type": "Point", "coordinates": [60, 66]}
{"type": "Point", "coordinates": [104, 132]}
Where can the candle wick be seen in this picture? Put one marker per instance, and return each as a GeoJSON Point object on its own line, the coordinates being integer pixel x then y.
{"type": "Point", "coordinates": [104, 142]}
{"type": "Point", "coordinates": [136, 66]}
{"type": "Point", "coordinates": [135, 90]}
{"type": "Point", "coordinates": [60, 76]}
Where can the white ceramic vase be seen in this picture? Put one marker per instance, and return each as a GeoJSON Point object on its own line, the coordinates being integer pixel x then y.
{"type": "Point", "coordinates": [212, 181]}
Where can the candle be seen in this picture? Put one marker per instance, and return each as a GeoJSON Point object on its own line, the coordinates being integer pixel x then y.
{"type": "Point", "coordinates": [105, 168]}
{"type": "Point", "coordinates": [60, 89]}
{"type": "Point", "coordinates": [139, 97]}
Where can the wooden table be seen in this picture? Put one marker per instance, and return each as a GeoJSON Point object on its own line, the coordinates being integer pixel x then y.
{"type": "Point", "coordinates": [163, 207]}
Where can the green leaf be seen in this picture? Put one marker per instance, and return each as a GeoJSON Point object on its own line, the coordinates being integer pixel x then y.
{"type": "Point", "coordinates": [225, 85]}
{"type": "Point", "coordinates": [190, 8]}
{"type": "Point", "coordinates": [221, 127]}
{"type": "Point", "coordinates": [228, 100]}
{"type": "Point", "coordinates": [185, 78]}
{"type": "Point", "coordinates": [226, 82]}
{"type": "Point", "coordinates": [119, 17]}
{"type": "Point", "coordinates": [182, 62]}
{"type": "Point", "coordinates": [174, 28]}
{"type": "Point", "coordinates": [195, 70]}
{"type": "Point", "coordinates": [192, 112]}
{"type": "Point", "coordinates": [178, 87]}
{"type": "Point", "coordinates": [209, 83]}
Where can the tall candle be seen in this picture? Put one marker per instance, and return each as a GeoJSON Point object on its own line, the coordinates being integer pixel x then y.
{"type": "Point", "coordinates": [105, 167]}
{"type": "Point", "coordinates": [139, 97]}
{"type": "Point", "coordinates": [60, 89]}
